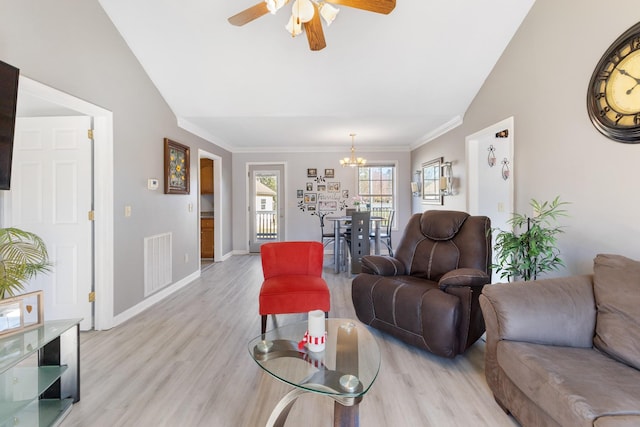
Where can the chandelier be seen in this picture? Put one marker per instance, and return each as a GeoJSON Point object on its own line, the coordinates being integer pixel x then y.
{"type": "Point", "coordinates": [353, 161]}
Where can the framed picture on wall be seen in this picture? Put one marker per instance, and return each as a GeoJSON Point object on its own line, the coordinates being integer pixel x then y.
{"type": "Point", "coordinates": [333, 187]}
{"type": "Point", "coordinates": [176, 167]}
{"type": "Point", "coordinates": [312, 172]}
{"type": "Point", "coordinates": [299, 194]}
{"type": "Point", "coordinates": [327, 205]}
{"type": "Point", "coordinates": [431, 193]}
{"type": "Point", "coordinates": [329, 173]}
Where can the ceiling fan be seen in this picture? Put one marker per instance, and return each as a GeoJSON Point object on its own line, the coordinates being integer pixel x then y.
{"type": "Point", "coordinates": [306, 14]}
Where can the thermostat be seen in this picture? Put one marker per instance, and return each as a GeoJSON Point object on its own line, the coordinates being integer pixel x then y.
{"type": "Point", "coordinates": [152, 183]}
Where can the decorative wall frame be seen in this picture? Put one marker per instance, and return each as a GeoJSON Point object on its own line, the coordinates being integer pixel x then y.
{"type": "Point", "coordinates": [177, 166]}
{"type": "Point", "coordinates": [431, 173]}
{"type": "Point", "coordinates": [322, 197]}
{"type": "Point", "coordinates": [22, 312]}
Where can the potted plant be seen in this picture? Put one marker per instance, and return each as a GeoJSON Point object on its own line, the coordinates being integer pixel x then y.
{"type": "Point", "coordinates": [530, 247]}
{"type": "Point", "coordinates": [22, 255]}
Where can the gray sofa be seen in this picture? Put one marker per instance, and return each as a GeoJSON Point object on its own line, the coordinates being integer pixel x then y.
{"type": "Point", "coordinates": [566, 351]}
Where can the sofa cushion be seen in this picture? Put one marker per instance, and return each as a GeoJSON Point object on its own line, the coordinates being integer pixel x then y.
{"type": "Point", "coordinates": [575, 386]}
{"type": "Point", "coordinates": [617, 293]}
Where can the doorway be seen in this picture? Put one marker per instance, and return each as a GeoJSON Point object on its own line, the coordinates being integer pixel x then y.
{"type": "Point", "coordinates": [209, 178]}
{"type": "Point", "coordinates": [490, 155]}
{"type": "Point", "coordinates": [266, 205]}
{"type": "Point", "coordinates": [36, 99]}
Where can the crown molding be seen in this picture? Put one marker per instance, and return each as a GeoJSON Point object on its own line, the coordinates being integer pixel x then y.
{"type": "Point", "coordinates": [439, 131]}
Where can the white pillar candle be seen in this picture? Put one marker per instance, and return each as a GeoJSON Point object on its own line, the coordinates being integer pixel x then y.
{"type": "Point", "coordinates": [316, 331]}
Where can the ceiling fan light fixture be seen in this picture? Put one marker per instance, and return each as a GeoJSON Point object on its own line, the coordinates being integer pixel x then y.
{"type": "Point", "coordinates": [328, 13]}
{"type": "Point", "coordinates": [275, 5]}
{"type": "Point", "coordinates": [303, 10]}
{"type": "Point", "coordinates": [293, 27]}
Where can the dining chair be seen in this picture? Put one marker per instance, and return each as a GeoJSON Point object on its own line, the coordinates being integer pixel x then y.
{"type": "Point", "coordinates": [387, 224]}
{"type": "Point", "coordinates": [357, 239]}
{"type": "Point", "coordinates": [327, 236]}
{"type": "Point", "coordinates": [293, 280]}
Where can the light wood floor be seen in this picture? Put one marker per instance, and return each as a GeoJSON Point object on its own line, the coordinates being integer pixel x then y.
{"type": "Point", "coordinates": [184, 362]}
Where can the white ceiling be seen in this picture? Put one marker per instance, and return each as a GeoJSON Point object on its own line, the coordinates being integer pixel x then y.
{"type": "Point", "coordinates": [395, 80]}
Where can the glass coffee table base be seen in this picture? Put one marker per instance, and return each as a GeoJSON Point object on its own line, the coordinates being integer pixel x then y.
{"type": "Point", "coordinates": [344, 371]}
{"type": "Point", "coordinates": [345, 410]}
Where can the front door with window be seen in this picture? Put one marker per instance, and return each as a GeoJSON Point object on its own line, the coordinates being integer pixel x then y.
{"type": "Point", "coordinates": [266, 218]}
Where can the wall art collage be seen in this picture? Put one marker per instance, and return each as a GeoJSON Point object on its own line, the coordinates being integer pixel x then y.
{"type": "Point", "coordinates": [321, 195]}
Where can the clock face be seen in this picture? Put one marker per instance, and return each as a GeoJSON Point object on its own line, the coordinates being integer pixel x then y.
{"type": "Point", "coordinates": [613, 100]}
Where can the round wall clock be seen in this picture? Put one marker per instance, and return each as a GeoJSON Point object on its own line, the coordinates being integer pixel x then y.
{"type": "Point", "coordinates": [613, 99]}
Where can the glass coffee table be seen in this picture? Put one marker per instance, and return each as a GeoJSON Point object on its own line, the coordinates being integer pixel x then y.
{"type": "Point", "coordinates": [344, 371]}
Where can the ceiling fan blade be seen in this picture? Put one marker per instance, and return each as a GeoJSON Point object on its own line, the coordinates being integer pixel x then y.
{"type": "Point", "coordinates": [315, 35]}
{"type": "Point", "coordinates": [378, 6]}
{"type": "Point", "coordinates": [249, 14]}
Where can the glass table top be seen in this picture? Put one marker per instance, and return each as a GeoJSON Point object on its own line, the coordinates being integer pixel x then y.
{"type": "Point", "coordinates": [347, 367]}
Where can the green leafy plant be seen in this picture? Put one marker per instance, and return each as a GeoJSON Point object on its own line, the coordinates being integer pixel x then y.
{"type": "Point", "coordinates": [22, 255]}
{"type": "Point", "coordinates": [533, 251]}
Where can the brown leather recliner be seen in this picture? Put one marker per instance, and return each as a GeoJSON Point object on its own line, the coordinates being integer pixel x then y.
{"type": "Point", "coordinates": [427, 294]}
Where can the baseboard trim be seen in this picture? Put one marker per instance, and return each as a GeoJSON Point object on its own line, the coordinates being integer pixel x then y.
{"type": "Point", "coordinates": [153, 299]}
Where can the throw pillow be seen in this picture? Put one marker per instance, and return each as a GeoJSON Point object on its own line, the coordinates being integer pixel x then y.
{"type": "Point", "coordinates": [616, 288]}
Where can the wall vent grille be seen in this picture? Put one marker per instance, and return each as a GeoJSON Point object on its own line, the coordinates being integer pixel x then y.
{"type": "Point", "coordinates": [157, 263]}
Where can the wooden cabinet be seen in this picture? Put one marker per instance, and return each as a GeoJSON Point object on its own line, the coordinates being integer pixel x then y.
{"type": "Point", "coordinates": [40, 392]}
{"type": "Point", "coordinates": [206, 238]}
{"type": "Point", "coordinates": [206, 176]}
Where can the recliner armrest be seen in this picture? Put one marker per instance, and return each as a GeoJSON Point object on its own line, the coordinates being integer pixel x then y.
{"type": "Point", "coordinates": [559, 311]}
{"type": "Point", "coordinates": [382, 265]}
{"type": "Point", "coordinates": [463, 277]}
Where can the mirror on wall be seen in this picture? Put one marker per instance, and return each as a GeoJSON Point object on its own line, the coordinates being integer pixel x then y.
{"type": "Point", "coordinates": [431, 172]}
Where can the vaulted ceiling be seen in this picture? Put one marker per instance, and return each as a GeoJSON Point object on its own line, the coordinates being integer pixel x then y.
{"type": "Point", "coordinates": [395, 80]}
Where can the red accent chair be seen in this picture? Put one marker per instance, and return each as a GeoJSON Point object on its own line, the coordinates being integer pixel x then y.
{"type": "Point", "coordinates": [293, 280]}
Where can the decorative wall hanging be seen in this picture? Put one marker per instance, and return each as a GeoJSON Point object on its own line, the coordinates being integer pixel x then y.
{"type": "Point", "coordinates": [176, 167]}
{"type": "Point", "coordinates": [491, 158]}
{"type": "Point", "coordinates": [323, 197]}
{"type": "Point", "coordinates": [505, 169]}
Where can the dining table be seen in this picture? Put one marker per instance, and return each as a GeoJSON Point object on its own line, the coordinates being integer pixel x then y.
{"type": "Point", "coordinates": [337, 223]}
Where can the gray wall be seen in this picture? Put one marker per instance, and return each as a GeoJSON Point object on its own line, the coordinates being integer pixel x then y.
{"type": "Point", "coordinates": [71, 45]}
{"type": "Point", "coordinates": [302, 225]}
{"type": "Point", "coordinates": [541, 80]}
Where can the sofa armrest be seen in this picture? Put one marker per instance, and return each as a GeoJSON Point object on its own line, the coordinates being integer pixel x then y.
{"type": "Point", "coordinates": [382, 265]}
{"type": "Point", "coordinates": [559, 311]}
{"type": "Point", "coordinates": [463, 277]}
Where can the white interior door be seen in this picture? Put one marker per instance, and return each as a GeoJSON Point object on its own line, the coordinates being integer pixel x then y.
{"type": "Point", "coordinates": [51, 195]}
